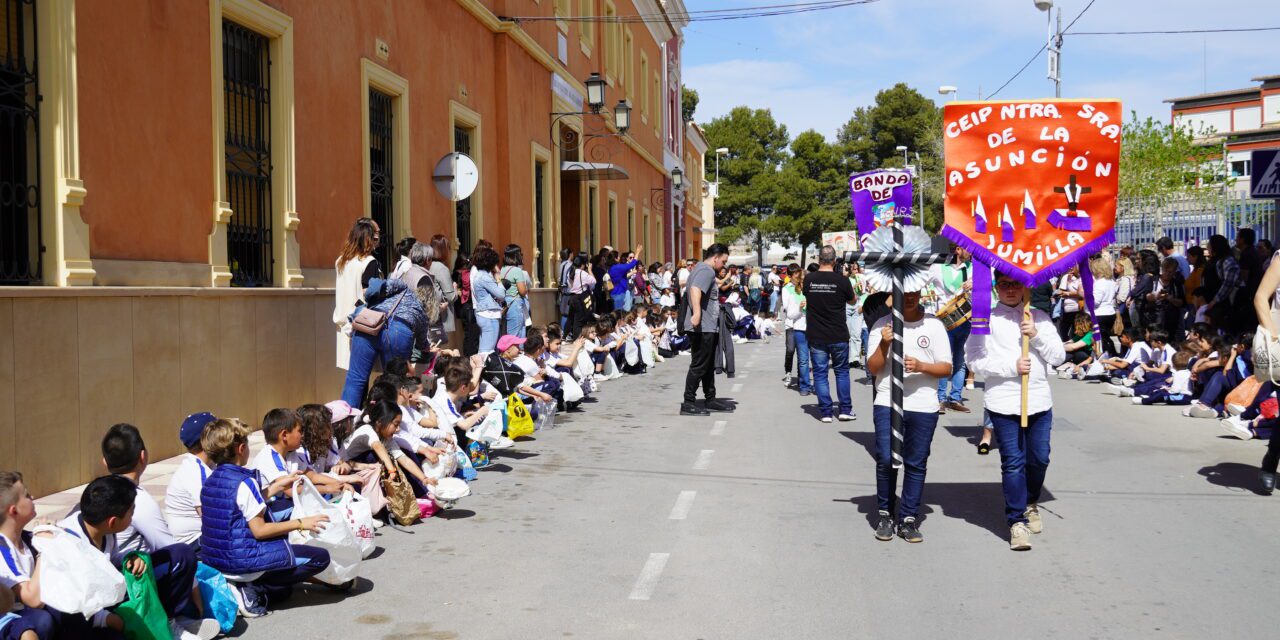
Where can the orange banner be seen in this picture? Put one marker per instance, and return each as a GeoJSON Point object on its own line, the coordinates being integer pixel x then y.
{"type": "Point", "coordinates": [1031, 184]}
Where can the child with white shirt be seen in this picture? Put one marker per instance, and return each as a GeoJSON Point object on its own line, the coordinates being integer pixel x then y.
{"type": "Point", "coordinates": [240, 537]}
{"type": "Point", "coordinates": [399, 446]}
{"type": "Point", "coordinates": [28, 616]}
{"type": "Point", "coordinates": [1137, 351]}
{"type": "Point", "coordinates": [284, 455]}
{"type": "Point", "coordinates": [182, 497]}
{"type": "Point", "coordinates": [1178, 390]}
{"type": "Point", "coordinates": [321, 427]}
{"type": "Point", "coordinates": [124, 454]}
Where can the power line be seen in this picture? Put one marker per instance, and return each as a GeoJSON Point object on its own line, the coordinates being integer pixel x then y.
{"type": "Point", "coordinates": [1038, 52]}
{"type": "Point", "coordinates": [707, 15]}
{"type": "Point", "coordinates": [1176, 31]}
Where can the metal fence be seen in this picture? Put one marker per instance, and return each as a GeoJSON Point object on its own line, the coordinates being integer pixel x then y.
{"type": "Point", "coordinates": [1191, 219]}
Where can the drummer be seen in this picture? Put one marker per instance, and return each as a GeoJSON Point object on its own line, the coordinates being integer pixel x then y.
{"type": "Point", "coordinates": [951, 281]}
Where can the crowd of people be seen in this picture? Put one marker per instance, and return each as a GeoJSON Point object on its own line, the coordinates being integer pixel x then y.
{"type": "Point", "coordinates": [1172, 328]}
{"type": "Point", "coordinates": [414, 422]}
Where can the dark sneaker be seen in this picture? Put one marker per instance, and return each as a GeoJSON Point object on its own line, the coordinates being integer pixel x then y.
{"type": "Point", "coordinates": [716, 404]}
{"type": "Point", "coordinates": [908, 531]}
{"type": "Point", "coordinates": [250, 600]}
{"type": "Point", "coordinates": [1268, 481]}
{"type": "Point", "coordinates": [692, 409]}
{"type": "Point", "coordinates": [885, 528]}
{"type": "Point", "coordinates": [957, 406]}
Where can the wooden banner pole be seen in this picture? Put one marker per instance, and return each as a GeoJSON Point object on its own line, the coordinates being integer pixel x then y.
{"type": "Point", "coordinates": [1026, 352]}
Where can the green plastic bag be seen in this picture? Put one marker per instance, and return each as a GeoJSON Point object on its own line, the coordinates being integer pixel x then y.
{"type": "Point", "coordinates": [143, 614]}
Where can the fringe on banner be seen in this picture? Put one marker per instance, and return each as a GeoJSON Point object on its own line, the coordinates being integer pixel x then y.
{"type": "Point", "coordinates": [1059, 266]}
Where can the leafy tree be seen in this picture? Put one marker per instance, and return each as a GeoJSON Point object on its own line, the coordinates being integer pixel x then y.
{"type": "Point", "coordinates": [1160, 162]}
{"type": "Point", "coordinates": [688, 103]}
{"type": "Point", "coordinates": [757, 148]}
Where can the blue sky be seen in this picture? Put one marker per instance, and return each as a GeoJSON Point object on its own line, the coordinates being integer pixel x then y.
{"type": "Point", "coordinates": [812, 70]}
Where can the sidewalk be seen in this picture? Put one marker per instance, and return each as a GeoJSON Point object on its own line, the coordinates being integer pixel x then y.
{"type": "Point", "coordinates": [52, 508]}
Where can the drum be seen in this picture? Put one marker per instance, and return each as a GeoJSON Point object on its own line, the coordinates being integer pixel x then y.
{"type": "Point", "coordinates": [956, 312]}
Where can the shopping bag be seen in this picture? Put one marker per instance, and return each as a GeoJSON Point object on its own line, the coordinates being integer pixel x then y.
{"type": "Point", "coordinates": [359, 516]}
{"type": "Point", "coordinates": [465, 469]}
{"type": "Point", "coordinates": [610, 368]}
{"type": "Point", "coordinates": [75, 577]}
{"type": "Point", "coordinates": [572, 390]}
{"type": "Point", "coordinates": [1244, 393]}
{"type": "Point", "coordinates": [1096, 368]}
{"type": "Point", "coordinates": [519, 423]}
{"type": "Point", "coordinates": [335, 536]}
{"type": "Point", "coordinates": [143, 614]}
{"type": "Point", "coordinates": [216, 595]}
{"type": "Point", "coordinates": [546, 415]}
{"type": "Point", "coordinates": [401, 503]}
{"type": "Point", "coordinates": [584, 367]}
{"type": "Point", "coordinates": [448, 492]}
{"type": "Point", "coordinates": [446, 464]}
{"type": "Point", "coordinates": [489, 429]}
{"type": "Point", "coordinates": [632, 352]}
{"type": "Point", "coordinates": [1266, 353]}
{"type": "Point", "coordinates": [646, 352]}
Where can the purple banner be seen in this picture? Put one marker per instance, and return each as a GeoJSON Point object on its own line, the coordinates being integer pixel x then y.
{"type": "Point", "coordinates": [878, 197]}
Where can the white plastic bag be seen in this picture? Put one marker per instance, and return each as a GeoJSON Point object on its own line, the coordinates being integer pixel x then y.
{"type": "Point", "coordinates": [584, 367]}
{"type": "Point", "coordinates": [359, 517]}
{"type": "Point", "coordinates": [546, 415]}
{"type": "Point", "coordinates": [646, 353]}
{"type": "Point", "coordinates": [572, 390]}
{"type": "Point", "coordinates": [449, 491]}
{"type": "Point", "coordinates": [445, 466]}
{"type": "Point", "coordinates": [335, 536]}
{"type": "Point", "coordinates": [1095, 369]}
{"type": "Point", "coordinates": [610, 368]}
{"type": "Point", "coordinates": [488, 431]}
{"type": "Point", "coordinates": [632, 352]}
{"type": "Point", "coordinates": [76, 578]}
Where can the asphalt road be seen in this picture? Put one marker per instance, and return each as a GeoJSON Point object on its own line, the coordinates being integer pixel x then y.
{"type": "Point", "coordinates": [631, 521]}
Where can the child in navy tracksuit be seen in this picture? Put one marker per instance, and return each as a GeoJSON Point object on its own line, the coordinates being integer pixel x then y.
{"type": "Point", "coordinates": [1178, 390]}
{"type": "Point", "coordinates": [237, 536]}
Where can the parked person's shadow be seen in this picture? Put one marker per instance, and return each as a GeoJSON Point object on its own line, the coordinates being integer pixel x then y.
{"type": "Point", "coordinates": [1234, 475]}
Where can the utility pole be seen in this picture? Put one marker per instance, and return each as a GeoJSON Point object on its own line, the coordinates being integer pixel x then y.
{"type": "Point", "coordinates": [1054, 44]}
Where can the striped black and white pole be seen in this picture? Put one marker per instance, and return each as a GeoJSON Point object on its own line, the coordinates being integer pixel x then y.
{"type": "Point", "coordinates": [897, 372]}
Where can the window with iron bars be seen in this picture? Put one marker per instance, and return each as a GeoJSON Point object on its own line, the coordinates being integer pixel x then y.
{"type": "Point", "coordinates": [462, 144]}
{"type": "Point", "coordinates": [246, 64]}
{"type": "Point", "coordinates": [21, 252]}
{"type": "Point", "coordinates": [381, 182]}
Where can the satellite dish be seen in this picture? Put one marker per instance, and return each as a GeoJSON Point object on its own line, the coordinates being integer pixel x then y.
{"type": "Point", "coordinates": [456, 176]}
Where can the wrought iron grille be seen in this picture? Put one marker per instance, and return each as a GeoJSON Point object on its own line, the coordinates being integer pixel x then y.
{"type": "Point", "coordinates": [462, 144]}
{"type": "Point", "coordinates": [246, 64]}
{"type": "Point", "coordinates": [539, 190]}
{"type": "Point", "coordinates": [592, 195]}
{"type": "Point", "coordinates": [381, 182]}
{"type": "Point", "coordinates": [21, 253]}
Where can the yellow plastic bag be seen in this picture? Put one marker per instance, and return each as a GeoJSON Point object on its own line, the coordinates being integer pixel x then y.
{"type": "Point", "coordinates": [519, 423]}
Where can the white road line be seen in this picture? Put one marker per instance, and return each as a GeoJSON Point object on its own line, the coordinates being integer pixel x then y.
{"type": "Point", "coordinates": [683, 504]}
{"type": "Point", "coordinates": [649, 575]}
{"type": "Point", "coordinates": [718, 427]}
{"type": "Point", "coordinates": [736, 388]}
{"type": "Point", "coordinates": [704, 459]}
{"type": "Point", "coordinates": [742, 375]}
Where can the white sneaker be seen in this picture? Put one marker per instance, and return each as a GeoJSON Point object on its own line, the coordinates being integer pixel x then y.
{"type": "Point", "coordinates": [1066, 366]}
{"type": "Point", "coordinates": [1186, 412]}
{"type": "Point", "coordinates": [599, 377]}
{"type": "Point", "coordinates": [826, 419]}
{"type": "Point", "coordinates": [1235, 409]}
{"type": "Point", "coordinates": [969, 386]}
{"type": "Point", "coordinates": [1236, 427]}
{"type": "Point", "coordinates": [188, 629]}
{"type": "Point", "coordinates": [1064, 374]}
{"type": "Point", "coordinates": [786, 380]}
{"type": "Point", "coordinates": [1126, 392]}
{"type": "Point", "coordinates": [1197, 410]}
{"type": "Point", "coordinates": [503, 442]}
{"type": "Point", "coordinates": [846, 417]}
{"type": "Point", "coordinates": [1111, 389]}
{"type": "Point", "coordinates": [1136, 400]}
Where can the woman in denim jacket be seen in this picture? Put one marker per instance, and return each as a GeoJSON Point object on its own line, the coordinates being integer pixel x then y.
{"type": "Point", "coordinates": [489, 297]}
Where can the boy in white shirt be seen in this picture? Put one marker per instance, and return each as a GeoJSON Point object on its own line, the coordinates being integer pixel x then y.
{"type": "Point", "coordinates": [284, 456]}
{"type": "Point", "coordinates": [124, 454]}
{"type": "Point", "coordinates": [182, 497]}
{"type": "Point", "coordinates": [926, 354]}
{"type": "Point", "coordinates": [20, 576]}
{"type": "Point", "coordinates": [1178, 391]}
{"type": "Point", "coordinates": [1024, 451]}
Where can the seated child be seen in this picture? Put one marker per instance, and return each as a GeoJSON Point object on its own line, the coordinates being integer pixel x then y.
{"type": "Point", "coordinates": [284, 455]}
{"type": "Point", "coordinates": [1238, 366]}
{"type": "Point", "coordinates": [322, 430]}
{"type": "Point", "coordinates": [182, 497]}
{"type": "Point", "coordinates": [1079, 348]}
{"type": "Point", "coordinates": [765, 325]}
{"type": "Point", "coordinates": [369, 444]}
{"type": "Point", "coordinates": [124, 454]}
{"type": "Point", "coordinates": [23, 613]}
{"type": "Point", "coordinates": [450, 401]}
{"type": "Point", "coordinates": [239, 537]}
{"type": "Point", "coordinates": [1178, 391]}
{"type": "Point", "coordinates": [1147, 377]}
{"type": "Point", "coordinates": [1117, 369]}
{"type": "Point", "coordinates": [418, 433]}
{"type": "Point", "coordinates": [106, 509]}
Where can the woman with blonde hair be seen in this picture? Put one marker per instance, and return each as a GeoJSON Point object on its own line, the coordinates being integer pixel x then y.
{"type": "Point", "coordinates": [354, 267]}
{"type": "Point", "coordinates": [1104, 299]}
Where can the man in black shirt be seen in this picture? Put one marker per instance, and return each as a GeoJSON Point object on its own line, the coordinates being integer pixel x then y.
{"type": "Point", "coordinates": [826, 294]}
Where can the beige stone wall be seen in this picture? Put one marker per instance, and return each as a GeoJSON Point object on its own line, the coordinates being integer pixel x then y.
{"type": "Point", "coordinates": [74, 361]}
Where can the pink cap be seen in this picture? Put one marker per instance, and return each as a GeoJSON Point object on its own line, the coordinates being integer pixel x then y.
{"type": "Point", "coordinates": [506, 342]}
{"type": "Point", "coordinates": [340, 410]}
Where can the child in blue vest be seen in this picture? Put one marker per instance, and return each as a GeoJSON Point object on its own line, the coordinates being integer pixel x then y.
{"type": "Point", "coordinates": [237, 536]}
